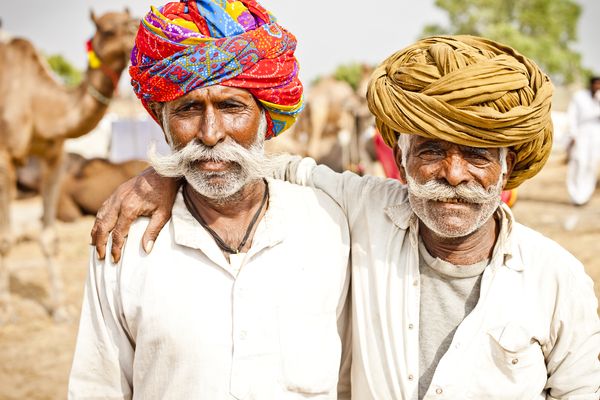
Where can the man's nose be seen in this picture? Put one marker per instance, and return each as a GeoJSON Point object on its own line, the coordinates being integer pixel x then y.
{"type": "Point", "coordinates": [211, 132]}
{"type": "Point", "coordinates": [455, 170]}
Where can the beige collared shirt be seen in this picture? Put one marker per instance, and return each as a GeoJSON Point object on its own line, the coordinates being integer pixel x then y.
{"type": "Point", "coordinates": [533, 334]}
{"type": "Point", "coordinates": [182, 323]}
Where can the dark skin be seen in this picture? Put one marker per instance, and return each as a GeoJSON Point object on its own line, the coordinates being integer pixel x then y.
{"type": "Point", "coordinates": [431, 159]}
{"type": "Point", "coordinates": [209, 115]}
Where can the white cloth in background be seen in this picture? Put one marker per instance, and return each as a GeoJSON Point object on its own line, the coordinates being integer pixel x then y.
{"type": "Point", "coordinates": [584, 128]}
{"type": "Point", "coordinates": [533, 334]}
{"type": "Point", "coordinates": [131, 139]}
{"type": "Point", "coordinates": [181, 323]}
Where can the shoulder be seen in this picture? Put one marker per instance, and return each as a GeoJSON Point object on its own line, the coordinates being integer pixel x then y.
{"type": "Point", "coordinates": [133, 252]}
{"type": "Point", "coordinates": [582, 95]}
{"type": "Point", "coordinates": [546, 257]}
{"type": "Point", "coordinates": [303, 201]}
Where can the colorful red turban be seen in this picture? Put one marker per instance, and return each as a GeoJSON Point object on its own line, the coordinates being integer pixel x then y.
{"type": "Point", "coordinates": [193, 44]}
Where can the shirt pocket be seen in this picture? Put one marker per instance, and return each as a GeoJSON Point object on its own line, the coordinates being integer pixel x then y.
{"type": "Point", "coordinates": [310, 352]}
{"type": "Point", "coordinates": [511, 366]}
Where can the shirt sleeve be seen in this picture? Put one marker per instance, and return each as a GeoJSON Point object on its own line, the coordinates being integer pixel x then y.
{"type": "Point", "coordinates": [573, 363]}
{"type": "Point", "coordinates": [103, 361]}
{"type": "Point", "coordinates": [346, 189]}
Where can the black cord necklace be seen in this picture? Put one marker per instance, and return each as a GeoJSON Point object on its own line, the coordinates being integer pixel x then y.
{"type": "Point", "coordinates": [222, 245]}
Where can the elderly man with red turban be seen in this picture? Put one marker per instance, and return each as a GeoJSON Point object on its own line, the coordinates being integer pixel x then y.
{"type": "Point", "coordinates": [451, 297]}
{"type": "Point", "coordinates": [244, 295]}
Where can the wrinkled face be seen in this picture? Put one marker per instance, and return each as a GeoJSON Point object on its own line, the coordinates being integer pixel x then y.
{"type": "Point", "coordinates": [217, 134]}
{"type": "Point", "coordinates": [453, 189]}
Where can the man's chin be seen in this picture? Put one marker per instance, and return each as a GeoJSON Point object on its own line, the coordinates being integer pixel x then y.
{"type": "Point", "coordinates": [217, 186]}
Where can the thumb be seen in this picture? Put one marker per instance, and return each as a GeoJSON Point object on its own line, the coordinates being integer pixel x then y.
{"type": "Point", "coordinates": [157, 221]}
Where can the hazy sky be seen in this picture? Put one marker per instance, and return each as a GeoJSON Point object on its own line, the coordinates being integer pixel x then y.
{"type": "Point", "coordinates": [329, 32]}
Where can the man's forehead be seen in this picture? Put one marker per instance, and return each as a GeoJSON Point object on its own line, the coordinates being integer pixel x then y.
{"type": "Point", "coordinates": [216, 91]}
{"type": "Point", "coordinates": [423, 141]}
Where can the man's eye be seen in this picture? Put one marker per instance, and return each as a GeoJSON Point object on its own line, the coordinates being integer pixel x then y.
{"type": "Point", "coordinates": [431, 154]}
{"type": "Point", "coordinates": [478, 159]}
{"type": "Point", "coordinates": [186, 107]}
{"type": "Point", "coordinates": [230, 106]}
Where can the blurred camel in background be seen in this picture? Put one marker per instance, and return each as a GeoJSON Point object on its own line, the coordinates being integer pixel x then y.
{"type": "Point", "coordinates": [335, 117]}
{"type": "Point", "coordinates": [85, 185]}
{"type": "Point", "coordinates": [37, 114]}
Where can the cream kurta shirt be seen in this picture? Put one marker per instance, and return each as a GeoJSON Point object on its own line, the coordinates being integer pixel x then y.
{"type": "Point", "coordinates": [181, 323]}
{"type": "Point", "coordinates": [533, 334]}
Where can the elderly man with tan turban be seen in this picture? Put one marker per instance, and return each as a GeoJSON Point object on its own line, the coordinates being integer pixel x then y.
{"type": "Point", "coordinates": [451, 297]}
{"type": "Point", "coordinates": [229, 305]}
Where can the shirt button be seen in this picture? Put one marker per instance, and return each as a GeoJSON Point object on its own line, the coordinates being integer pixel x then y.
{"type": "Point", "coordinates": [410, 326]}
{"type": "Point", "coordinates": [515, 361]}
{"type": "Point", "coordinates": [243, 335]}
{"type": "Point", "coordinates": [439, 391]}
{"type": "Point", "coordinates": [416, 282]}
{"type": "Point", "coordinates": [411, 377]}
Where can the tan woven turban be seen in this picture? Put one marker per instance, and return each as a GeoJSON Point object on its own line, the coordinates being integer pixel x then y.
{"type": "Point", "coordinates": [470, 91]}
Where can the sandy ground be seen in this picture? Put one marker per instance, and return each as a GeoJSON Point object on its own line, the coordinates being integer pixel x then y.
{"type": "Point", "coordinates": [36, 354]}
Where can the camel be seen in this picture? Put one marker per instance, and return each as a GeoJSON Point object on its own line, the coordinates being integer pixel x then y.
{"type": "Point", "coordinates": [37, 114]}
{"type": "Point", "coordinates": [86, 183]}
{"type": "Point", "coordinates": [84, 190]}
{"type": "Point", "coordinates": [335, 117]}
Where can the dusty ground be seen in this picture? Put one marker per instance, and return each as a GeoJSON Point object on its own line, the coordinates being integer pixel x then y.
{"type": "Point", "coordinates": [35, 353]}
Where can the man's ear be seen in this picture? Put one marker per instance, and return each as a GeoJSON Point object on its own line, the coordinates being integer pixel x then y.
{"type": "Point", "coordinates": [511, 159]}
{"type": "Point", "coordinates": [398, 160]}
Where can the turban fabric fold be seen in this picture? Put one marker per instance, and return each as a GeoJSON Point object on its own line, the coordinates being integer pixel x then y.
{"type": "Point", "coordinates": [469, 91]}
{"type": "Point", "coordinates": [187, 45]}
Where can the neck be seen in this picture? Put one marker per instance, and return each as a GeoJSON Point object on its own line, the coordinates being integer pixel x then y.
{"type": "Point", "coordinates": [466, 250]}
{"type": "Point", "coordinates": [237, 206]}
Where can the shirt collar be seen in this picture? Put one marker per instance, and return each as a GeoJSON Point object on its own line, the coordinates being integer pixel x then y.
{"type": "Point", "coordinates": [404, 218]}
{"type": "Point", "coordinates": [506, 245]}
{"type": "Point", "coordinates": [270, 230]}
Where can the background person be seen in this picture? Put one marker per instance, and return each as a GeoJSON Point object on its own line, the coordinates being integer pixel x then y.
{"type": "Point", "coordinates": [584, 149]}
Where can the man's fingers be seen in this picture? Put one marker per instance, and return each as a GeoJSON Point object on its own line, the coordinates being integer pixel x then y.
{"type": "Point", "coordinates": [120, 231]}
{"type": "Point", "coordinates": [105, 220]}
{"type": "Point", "coordinates": [157, 221]}
{"type": "Point", "coordinates": [117, 245]}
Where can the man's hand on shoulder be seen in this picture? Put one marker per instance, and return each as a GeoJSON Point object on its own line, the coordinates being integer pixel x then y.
{"type": "Point", "coordinates": [149, 195]}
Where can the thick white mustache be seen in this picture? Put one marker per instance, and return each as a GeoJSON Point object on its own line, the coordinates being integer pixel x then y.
{"type": "Point", "coordinates": [178, 163]}
{"type": "Point", "coordinates": [467, 192]}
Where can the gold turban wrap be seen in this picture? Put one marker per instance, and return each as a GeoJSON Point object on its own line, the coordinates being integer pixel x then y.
{"type": "Point", "coordinates": [469, 91]}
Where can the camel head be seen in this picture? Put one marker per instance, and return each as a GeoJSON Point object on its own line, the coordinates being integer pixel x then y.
{"type": "Point", "coordinates": [113, 40]}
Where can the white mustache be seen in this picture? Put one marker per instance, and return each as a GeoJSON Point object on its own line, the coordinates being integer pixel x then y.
{"type": "Point", "coordinates": [465, 192]}
{"type": "Point", "coordinates": [180, 161]}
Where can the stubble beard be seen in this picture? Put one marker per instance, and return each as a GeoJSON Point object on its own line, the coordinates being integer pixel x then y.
{"type": "Point", "coordinates": [480, 205]}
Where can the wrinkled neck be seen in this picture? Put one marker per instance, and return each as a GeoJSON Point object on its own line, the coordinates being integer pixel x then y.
{"type": "Point", "coordinates": [467, 250]}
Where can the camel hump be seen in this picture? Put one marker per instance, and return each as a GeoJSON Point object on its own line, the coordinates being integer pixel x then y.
{"type": "Point", "coordinates": [23, 46]}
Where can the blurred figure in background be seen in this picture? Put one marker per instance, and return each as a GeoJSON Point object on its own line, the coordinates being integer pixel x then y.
{"type": "Point", "coordinates": [584, 146]}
